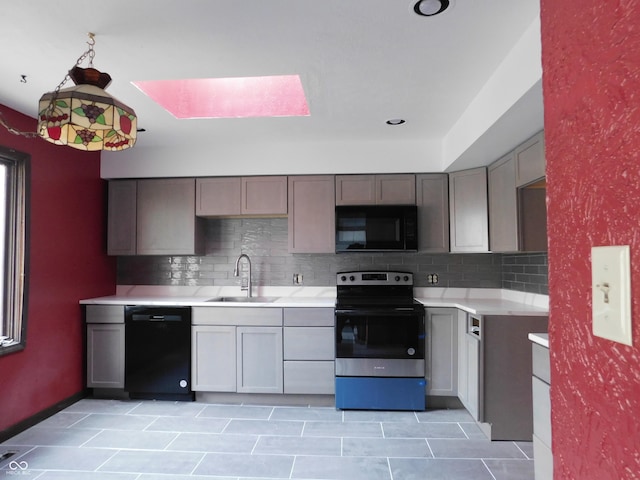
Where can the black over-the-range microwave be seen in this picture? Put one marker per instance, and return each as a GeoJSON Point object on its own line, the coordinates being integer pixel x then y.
{"type": "Point", "coordinates": [378, 228]}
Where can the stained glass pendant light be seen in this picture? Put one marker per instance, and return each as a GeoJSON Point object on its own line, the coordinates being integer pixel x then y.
{"type": "Point", "coordinates": [85, 116]}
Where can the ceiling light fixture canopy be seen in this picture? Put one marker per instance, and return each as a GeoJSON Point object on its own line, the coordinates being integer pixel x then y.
{"type": "Point", "coordinates": [85, 116]}
{"type": "Point", "coordinates": [429, 8]}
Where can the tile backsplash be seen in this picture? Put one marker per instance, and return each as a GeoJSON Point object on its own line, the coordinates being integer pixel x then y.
{"type": "Point", "coordinates": [265, 241]}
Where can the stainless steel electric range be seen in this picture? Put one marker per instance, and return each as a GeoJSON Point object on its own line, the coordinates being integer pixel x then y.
{"type": "Point", "coordinates": [380, 342]}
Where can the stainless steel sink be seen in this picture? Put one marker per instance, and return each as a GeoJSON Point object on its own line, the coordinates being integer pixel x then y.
{"type": "Point", "coordinates": [242, 299]}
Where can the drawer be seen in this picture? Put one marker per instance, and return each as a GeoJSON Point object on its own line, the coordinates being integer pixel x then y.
{"type": "Point", "coordinates": [308, 343]}
{"type": "Point", "coordinates": [309, 317]}
{"type": "Point", "coordinates": [541, 366]}
{"type": "Point", "coordinates": [238, 316]}
{"type": "Point", "coordinates": [309, 377]}
{"type": "Point", "coordinates": [105, 313]}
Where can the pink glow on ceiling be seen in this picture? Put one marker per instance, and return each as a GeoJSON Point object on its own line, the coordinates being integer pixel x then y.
{"type": "Point", "coordinates": [273, 96]}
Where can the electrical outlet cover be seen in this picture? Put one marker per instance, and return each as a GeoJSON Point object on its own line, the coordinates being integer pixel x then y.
{"type": "Point", "coordinates": [611, 293]}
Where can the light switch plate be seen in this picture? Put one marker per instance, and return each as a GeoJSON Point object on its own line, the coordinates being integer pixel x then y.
{"type": "Point", "coordinates": [611, 293]}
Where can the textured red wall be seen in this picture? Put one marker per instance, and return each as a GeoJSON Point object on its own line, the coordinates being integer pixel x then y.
{"type": "Point", "coordinates": [67, 263]}
{"type": "Point", "coordinates": [591, 81]}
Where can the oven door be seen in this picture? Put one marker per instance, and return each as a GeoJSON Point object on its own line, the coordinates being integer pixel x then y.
{"type": "Point", "coordinates": [383, 342]}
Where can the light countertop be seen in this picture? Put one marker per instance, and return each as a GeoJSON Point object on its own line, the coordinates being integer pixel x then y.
{"type": "Point", "coordinates": [476, 301]}
{"type": "Point", "coordinates": [540, 339]}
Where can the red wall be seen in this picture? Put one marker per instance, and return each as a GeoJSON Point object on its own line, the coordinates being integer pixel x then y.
{"type": "Point", "coordinates": [591, 82]}
{"type": "Point", "coordinates": [67, 263]}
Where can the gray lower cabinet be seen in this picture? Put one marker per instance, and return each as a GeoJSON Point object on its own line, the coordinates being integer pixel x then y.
{"type": "Point", "coordinates": [469, 385]}
{"type": "Point", "coordinates": [309, 351]}
{"type": "Point", "coordinates": [542, 453]}
{"type": "Point", "coordinates": [441, 351]}
{"type": "Point", "coordinates": [259, 360]}
{"type": "Point", "coordinates": [495, 371]}
{"type": "Point", "coordinates": [105, 346]}
{"type": "Point", "coordinates": [213, 362]}
{"type": "Point", "coordinates": [237, 349]}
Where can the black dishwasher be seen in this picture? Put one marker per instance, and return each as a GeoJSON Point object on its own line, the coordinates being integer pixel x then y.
{"type": "Point", "coordinates": [158, 353]}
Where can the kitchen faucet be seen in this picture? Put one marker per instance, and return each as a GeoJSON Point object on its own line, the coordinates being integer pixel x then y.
{"type": "Point", "coordinates": [236, 272]}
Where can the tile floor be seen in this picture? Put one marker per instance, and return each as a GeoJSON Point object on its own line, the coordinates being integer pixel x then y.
{"type": "Point", "coordinates": [149, 440]}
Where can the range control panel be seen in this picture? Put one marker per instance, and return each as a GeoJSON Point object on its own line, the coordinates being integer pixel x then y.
{"type": "Point", "coordinates": [374, 278]}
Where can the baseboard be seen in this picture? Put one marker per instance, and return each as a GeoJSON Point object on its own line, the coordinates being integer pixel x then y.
{"type": "Point", "coordinates": [40, 416]}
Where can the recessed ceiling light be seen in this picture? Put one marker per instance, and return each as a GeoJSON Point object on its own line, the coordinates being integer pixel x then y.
{"type": "Point", "coordinates": [395, 121]}
{"type": "Point", "coordinates": [273, 96]}
{"type": "Point", "coordinates": [429, 8]}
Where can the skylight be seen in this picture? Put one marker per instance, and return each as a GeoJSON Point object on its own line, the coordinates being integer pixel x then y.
{"type": "Point", "coordinates": [272, 96]}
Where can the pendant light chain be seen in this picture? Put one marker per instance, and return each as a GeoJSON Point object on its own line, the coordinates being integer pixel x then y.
{"type": "Point", "coordinates": [90, 53]}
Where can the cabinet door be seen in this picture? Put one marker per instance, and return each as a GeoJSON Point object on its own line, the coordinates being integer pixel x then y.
{"type": "Point", "coordinates": [309, 343]}
{"type": "Point", "coordinates": [166, 217]}
{"type": "Point", "coordinates": [105, 355]}
{"type": "Point", "coordinates": [432, 197]}
{"type": "Point", "coordinates": [121, 218]}
{"type": "Point", "coordinates": [442, 351]}
{"type": "Point", "coordinates": [469, 222]}
{"type": "Point", "coordinates": [259, 359]}
{"type": "Point", "coordinates": [264, 196]}
{"type": "Point", "coordinates": [395, 189]}
{"type": "Point", "coordinates": [473, 404]}
{"type": "Point", "coordinates": [503, 205]}
{"type": "Point", "coordinates": [309, 377]}
{"type": "Point", "coordinates": [312, 214]}
{"type": "Point", "coordinates": [530, 160]}
{"type": "Point", "coordinates": [213, 358]}
{"type": "Point", "coordinates": [355, 190]}
{"type": "Point", "coordinates": [463, 374]}
{"type": "Point", "coordinates": [218, 196]}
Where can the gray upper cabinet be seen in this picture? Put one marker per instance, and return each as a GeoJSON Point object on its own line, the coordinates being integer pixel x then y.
{"type": "Point", "coordinates": [392, 189]}
{"type": "Point", "coordinates": [432, 198]}
{"type": "Point", "coordinates": [311, 214]}
{"type": "Point", "coordinates": [264, 195]}
{"type": "Point", "coordinates": [530, 160]}
{"type": "Point", "coordinates": [222, 196]}
{"type": "Point", "coordinates": [469, 218]}
{"type": "Point", "coordinates": [121, 217]}
{"type": "Point", "coordinates": [517, 200]}
{"type": "Point", "coordinates": [166, 221]}
{"type": "Point", "coordinates": [153, 217]}
{"type": "Point", "coordinates": [503, 205]}
{"type": "Point", "coordinates": [218, 196]}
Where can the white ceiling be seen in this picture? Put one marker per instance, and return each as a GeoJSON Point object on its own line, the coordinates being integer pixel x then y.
{"type": "Point", "coordinates": [361, 62]}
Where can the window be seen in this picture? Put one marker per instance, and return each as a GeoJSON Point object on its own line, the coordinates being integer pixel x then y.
{"type": "Point", "coordinates": [13, 249]}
